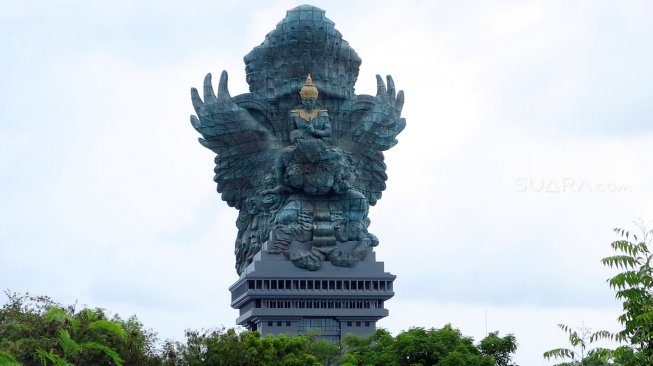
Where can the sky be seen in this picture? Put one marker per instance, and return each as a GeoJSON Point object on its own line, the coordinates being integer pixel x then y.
{"type": "Point", "coordinates": [528, 139]}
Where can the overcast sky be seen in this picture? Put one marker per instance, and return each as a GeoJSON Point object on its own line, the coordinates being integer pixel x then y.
{"type": "Point", "coordinates": [528, 139]}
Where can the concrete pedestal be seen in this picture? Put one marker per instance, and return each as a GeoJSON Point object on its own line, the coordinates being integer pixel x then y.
{"type": "Point", "coordinates": [276, 297]}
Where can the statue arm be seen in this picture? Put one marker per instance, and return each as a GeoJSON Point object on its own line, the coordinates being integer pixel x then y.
{"type": "Point", "coordinates": [294, 131]}
{"type": "Point", "coordinates": [325, 131]}
{"type": "Point", "coordinates": [291, 120]}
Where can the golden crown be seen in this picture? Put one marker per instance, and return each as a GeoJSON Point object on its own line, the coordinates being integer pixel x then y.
{"type": "Point", "coordinates": [309, 91]}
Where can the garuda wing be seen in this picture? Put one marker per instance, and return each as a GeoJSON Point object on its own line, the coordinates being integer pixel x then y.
{"type": "Point", "coordinates": [245, 149]}
{"type": "Point", "coordinates": [375, 132]}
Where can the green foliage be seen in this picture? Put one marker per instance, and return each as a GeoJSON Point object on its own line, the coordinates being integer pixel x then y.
{"type": "Point", "coordinates": [419, 346]}
{"type": "Point", "coordinates": [438, 347]}
{"type": "Point", "coordinates": [325, 352]}
{"type": "Point", "coordinates": [227, 347]}
{"type": "Point", "coordinates": [499, 348]}
{"type": "Point", "coordinates": [23, 328]}
{"type": "Point", "coordinates": [90, 330]}
{"type": "Point", "coordinates": [379, 349]}
{"type": "Point", "coordinates": [634, 288]}
{"type": "Point", "coordinates": [6, 359]}
{"type": "Point", "coordinates": [37, 331]}
{"type": "Point", "coordinates": [580, 339]}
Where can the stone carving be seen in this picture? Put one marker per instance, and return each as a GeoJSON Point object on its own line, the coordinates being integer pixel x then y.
{"type": "Point", "coordinates": [300, 156]}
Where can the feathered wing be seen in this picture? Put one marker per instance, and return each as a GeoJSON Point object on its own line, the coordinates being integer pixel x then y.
{"type": "Point", "coordinates": [245, 150]}
{"type": "Point", "coordinates": [375, 132]}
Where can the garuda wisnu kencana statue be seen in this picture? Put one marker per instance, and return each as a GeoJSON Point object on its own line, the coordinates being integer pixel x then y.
{"type": "Point", "coordinates": [300, 156]}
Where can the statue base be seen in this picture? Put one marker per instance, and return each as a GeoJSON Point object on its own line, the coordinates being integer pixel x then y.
{"type": "Point", "coordinates": [274, 296]}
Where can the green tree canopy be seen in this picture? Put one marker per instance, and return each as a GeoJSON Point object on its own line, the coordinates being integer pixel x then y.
{"type": "Point", "coordinates": [500, 348]}
{"type": "Point", "coordinates": [634, 288]}
{"type": "Point", "coordinates": [426, 347]}
{"type": "Point", "coordinates": [35, 330]}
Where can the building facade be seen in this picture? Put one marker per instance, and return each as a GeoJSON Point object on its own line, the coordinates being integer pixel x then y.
{"type": "Point", "coordinates": [275, 297]}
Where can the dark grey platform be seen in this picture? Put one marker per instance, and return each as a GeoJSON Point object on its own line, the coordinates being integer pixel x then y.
{"type": "Point", "coordinates": [276, 297]}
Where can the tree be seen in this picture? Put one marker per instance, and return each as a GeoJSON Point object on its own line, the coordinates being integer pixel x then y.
{"type": "Point", "coordinates": [227, 347]}
{"type": "Point", "coordinates": [580, 339]}
{"type": "Point", "coordinates": [501, 349]}
{"type": "Point", "coordinates": [379, 349]}
{"type": "Point", "coordinates": [325, 352]}
{"type": "Point", "coordinates": [634, 287]}
{"type": "Point", "coordinates": [438, 347]}
{"type": "Point", "coordinates": [23, 329]}
{"type": "Point", "coordinates": [6, 359]}
{"type": "Point", "coordinates": [35, 330]}
{"type": "Point", "coordinates": [82, 338]}
{"type": "Point", "coordinates": [418, 346]}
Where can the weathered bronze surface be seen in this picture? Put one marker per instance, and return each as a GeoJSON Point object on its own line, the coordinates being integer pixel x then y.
{"type": "Point", "coordinates": [300, 156]}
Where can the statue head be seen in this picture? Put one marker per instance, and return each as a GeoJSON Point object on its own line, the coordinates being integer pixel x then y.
{"type": "Point", "coordinates": [308, 93]}
{"type": "Point", "coordinates": [305, 41]}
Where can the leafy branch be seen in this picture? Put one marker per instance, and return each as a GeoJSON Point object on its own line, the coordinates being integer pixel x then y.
{"type": "Point", "coordinates": [634, 288]}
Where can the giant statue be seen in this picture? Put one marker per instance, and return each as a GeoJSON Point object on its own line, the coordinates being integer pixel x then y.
{"type": "Point", "coordinates": [301, 155]}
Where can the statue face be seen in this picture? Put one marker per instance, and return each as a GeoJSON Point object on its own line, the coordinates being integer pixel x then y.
{"type": "Point", "coordinates": [308, 103]}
